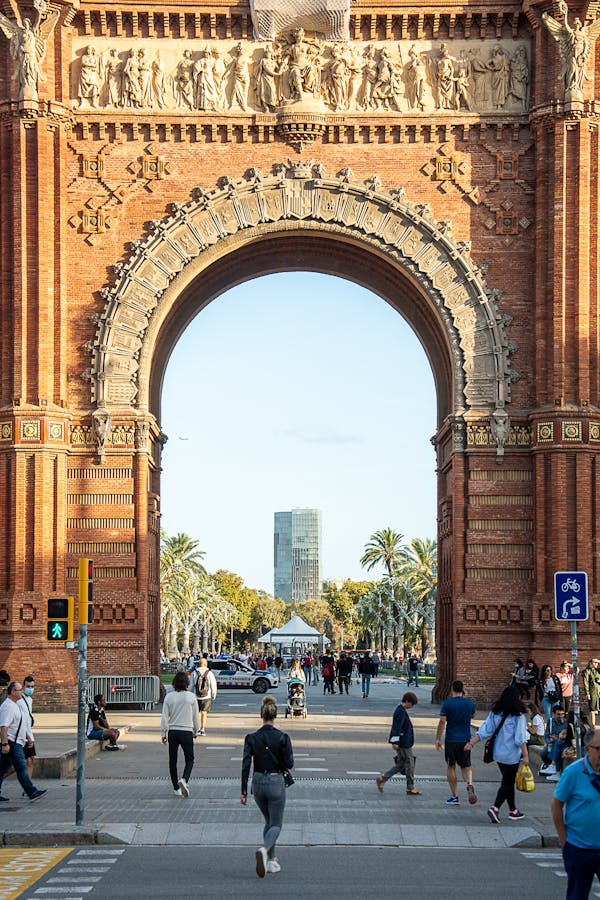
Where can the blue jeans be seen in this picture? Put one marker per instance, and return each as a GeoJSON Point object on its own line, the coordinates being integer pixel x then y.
{"type": "Point", "coordinates": [581, 866]}
{"type": "Point", "coordinates": [413, 676]}
{"type": "Point", "coordinates": [547, 705]}
{"type": "Point", "coordinates": [16, 757]}
{"type": "Point", "coordinates": [366, 684]}
{"type": "Point", "coordinates": [268, 791]}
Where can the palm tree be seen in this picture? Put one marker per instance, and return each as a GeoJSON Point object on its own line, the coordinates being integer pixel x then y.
{"type": "Point", "coordinates": [418, 569]}
{"type": "Point", "coordinates": [180, 559]}
{"type": "Point", "coordinates": [384, 548]}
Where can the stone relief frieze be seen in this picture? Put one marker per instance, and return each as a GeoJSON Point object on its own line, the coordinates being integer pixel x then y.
{"type": "Point", "coordinates": [299, 71]}
{"type": "Point", "coordinates": [302, 192]}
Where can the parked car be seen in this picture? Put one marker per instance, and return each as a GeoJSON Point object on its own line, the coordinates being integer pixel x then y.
{"type": "Point", "coordinates": [231, 673]}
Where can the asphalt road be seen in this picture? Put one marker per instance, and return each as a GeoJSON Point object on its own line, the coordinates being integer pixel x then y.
{"type": "Point", "coordinates": [342, 737]}
{"type": "Point", "coordinates": [187, 873]}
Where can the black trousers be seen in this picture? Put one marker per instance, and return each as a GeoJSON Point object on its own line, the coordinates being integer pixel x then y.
{"type": "Point", "coordinates": [185, 740]}
{"type": "Point", "coordinates": [506, 791]}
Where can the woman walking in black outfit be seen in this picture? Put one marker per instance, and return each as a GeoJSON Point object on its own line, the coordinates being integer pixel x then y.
{"type": "Point", "coordinates": [271, 752]}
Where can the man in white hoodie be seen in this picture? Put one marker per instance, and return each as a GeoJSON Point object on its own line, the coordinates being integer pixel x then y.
{"type": "Point", "coordinates": [179, 726]}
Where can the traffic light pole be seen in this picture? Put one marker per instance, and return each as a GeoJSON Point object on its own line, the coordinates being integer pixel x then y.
{"type": "Point", "coordinates": [81, 716]}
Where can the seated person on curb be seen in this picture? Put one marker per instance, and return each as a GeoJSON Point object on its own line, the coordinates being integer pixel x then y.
{"type": "Point", "coordinates": [555, 735]}
{"type": "Point", "coordinates": [98, 728]}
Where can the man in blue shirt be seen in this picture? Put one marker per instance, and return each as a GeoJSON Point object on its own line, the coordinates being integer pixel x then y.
{"type": "Point", "coordinates": [455, 719]}
{"type": "Point", "coordinates": [576, 814]}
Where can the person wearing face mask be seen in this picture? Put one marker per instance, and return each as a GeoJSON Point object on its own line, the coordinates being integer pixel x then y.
{"type": "Point", "coordinates": [26, 705]}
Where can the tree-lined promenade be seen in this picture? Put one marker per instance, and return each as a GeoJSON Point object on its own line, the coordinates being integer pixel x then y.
{"type": "Point", "coordinates": [212, 612]}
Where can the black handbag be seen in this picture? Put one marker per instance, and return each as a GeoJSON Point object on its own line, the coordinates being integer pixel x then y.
{"type": "Point", "coordinates": [488, 747]}
{"type": "Point", "coordinates": [288, 778]}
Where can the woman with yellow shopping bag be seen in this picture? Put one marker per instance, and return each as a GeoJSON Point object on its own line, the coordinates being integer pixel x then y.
{"type": "Point", "coordinates": [506, 729]}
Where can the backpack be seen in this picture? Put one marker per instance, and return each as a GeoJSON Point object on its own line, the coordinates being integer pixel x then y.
{"type": "Point", "coordinates": [201, 684]}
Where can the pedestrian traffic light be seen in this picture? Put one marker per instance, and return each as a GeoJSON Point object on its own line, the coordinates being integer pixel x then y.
{"type": "Point", "coordinates": [86, 591]}
{"type": "Point", "coordinates": [61, 613]}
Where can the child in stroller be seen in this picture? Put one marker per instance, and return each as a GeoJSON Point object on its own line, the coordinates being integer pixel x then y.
{"type": "Point", "coordinates": [296, 701]}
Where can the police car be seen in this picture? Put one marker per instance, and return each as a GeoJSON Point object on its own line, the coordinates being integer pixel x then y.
{"type": "Point", "coordinates": [231, 673]}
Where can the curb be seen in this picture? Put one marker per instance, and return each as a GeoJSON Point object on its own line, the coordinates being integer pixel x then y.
{"type": "Point", "coordinates": [65, 763]}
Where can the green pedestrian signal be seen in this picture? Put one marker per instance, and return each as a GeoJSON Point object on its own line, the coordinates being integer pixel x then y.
{"type": "Point", "coordinates": [57, 631]}
{"type": "Point", "coordinates": [60, 614]}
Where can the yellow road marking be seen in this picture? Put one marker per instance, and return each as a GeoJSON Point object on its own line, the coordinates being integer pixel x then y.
{"type": "Point", "coordinates": [20, 868]}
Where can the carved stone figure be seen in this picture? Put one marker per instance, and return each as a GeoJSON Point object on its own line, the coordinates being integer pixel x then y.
{"type": "Point", "coordinates": [132, 95]}
{"type": "Point", "coordinates": [113, 73]}
{"type": "Point", "coordinates": [354, 76]}
{"type": "Point", "coordinates": [266, 80]}
{"type": "Point", "coordinates": [575, 46]}
{"type": "Point", "coordinates": [519, 76]}
{"type": "Point", "coordinates": [480, 76]}
{"type": "Point", "coordinates": [500, 428]}
{"type": "Point", "coordinates": [415, 79]}
{"type": "Point", "coordinates": [219, 72]}
{"type": "Point", "coordinates": [101, 428]}
{"type": "Point", "coordinates": [159, 82]}
{"type": "Point", "coordinates": [500, 80]}
{"type": "Point", "coordinates": [28, 46]}
{"type": "Point", "coordinates": [183, 82]}
{"type": "Point", "coordinates": [445, 79]}
{"type": "Point", "coordinates": [241, 79]}
{"type": "Point", "coordinates": [302, 60]}
{"type": "Point", "coordinates": [145, 77]}
{"type": "Point", "coordinates": [337, 79]}
{"type": "Point", "coordinates": [205, 87]}
{"type": "Point", "coordinates": [463, 83]}
{"type": "Point", "coordinates": [369, 78]}
{"type": "Point", "coordinates": [89, 78]}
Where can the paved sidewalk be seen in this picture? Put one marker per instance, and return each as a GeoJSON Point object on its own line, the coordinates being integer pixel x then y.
{"type": "Point", "coordinates": [339, 748]}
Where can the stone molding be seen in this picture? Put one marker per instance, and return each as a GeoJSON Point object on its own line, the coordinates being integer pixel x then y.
{"type": "Point", "coordinates": [300, 195]}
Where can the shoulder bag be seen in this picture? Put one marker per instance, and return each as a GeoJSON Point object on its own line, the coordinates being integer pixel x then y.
{"type": "Point", "coordinates": [288, 778]}
{"type": "Point", "coordinates": [488, 747]}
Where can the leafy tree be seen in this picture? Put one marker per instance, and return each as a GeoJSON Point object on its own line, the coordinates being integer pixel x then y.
{"type": "Point", "coordinates": [342, 604]}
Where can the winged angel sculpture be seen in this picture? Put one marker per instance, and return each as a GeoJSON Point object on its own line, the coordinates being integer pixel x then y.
{"type": "Point", "coordinates": [28, 42]}
{"type": "Point", "coordinates": [574, 46]}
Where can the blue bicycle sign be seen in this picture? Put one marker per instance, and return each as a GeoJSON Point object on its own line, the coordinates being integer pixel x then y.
{"type": "Point", "coordinates": [571, 596]}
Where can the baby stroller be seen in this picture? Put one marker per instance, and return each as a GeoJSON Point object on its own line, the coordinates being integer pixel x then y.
{"type": "Point", "coordinates": [296, 699]}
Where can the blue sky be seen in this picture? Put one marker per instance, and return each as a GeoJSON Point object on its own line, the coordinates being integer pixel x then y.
{"type": "Point", "coordinates": [292, 390]}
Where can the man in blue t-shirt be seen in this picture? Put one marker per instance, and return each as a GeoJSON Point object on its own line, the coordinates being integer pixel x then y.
{"type": "Point", "coordinates": [576, 814]}
{"type": "Point", "coordinates": [455, 719]}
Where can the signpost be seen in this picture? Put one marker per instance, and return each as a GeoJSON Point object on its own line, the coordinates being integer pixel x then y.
{"type": "Point", "coordinates": [85, 611]}
{"type": "Point", "coordinates": [571, 605]}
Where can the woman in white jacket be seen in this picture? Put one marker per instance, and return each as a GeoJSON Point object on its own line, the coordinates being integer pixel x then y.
{"type": "Point", "coordinates": [179, 726]}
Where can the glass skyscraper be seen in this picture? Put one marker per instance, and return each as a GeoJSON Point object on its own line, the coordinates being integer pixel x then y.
{"type": "Point", "coordinates": [297, 548]}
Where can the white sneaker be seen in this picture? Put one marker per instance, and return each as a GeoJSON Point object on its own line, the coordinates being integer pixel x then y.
{"type": "Point", "coordinates": [273, 866]}
{"type": "Point", "coordinates": [121, 746]}
{"type": "Point", "coordinates": [554, 777]}
{"type": "Point", "coordinates": [178, 793]}
{"type": "Point", "coordinates": [202, 732]}
{"type": "Point", "coordinates": [548, 770]}
{"type": "Point", "coordinates": [183, 787]}
{"type": "Point", "coordinates": [261, 862]}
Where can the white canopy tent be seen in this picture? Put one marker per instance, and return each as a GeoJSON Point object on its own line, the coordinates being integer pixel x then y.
{"type": "Point", "coordinates": [295, 633]}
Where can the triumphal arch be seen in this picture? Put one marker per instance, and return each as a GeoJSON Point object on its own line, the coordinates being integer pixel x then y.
{"type": "Point", "coordinates": [443, 155]}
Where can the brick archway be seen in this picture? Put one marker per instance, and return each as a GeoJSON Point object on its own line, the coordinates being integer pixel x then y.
{"type": "Point", "coordinates": [301, 198]}
{"type": "Point", "coordinates": [299, 217]}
